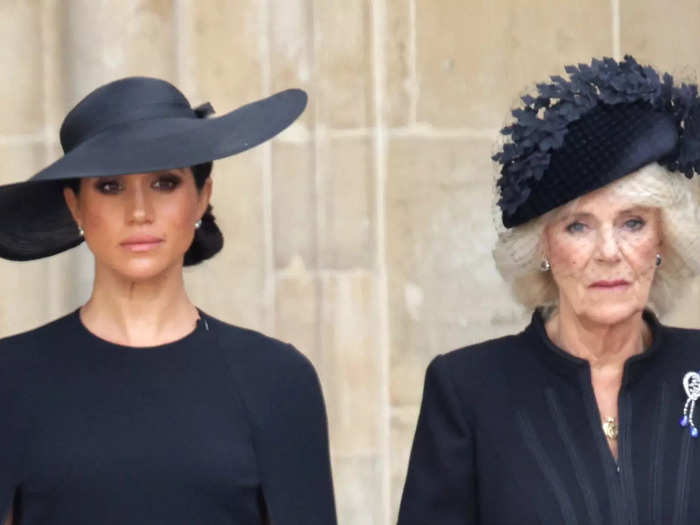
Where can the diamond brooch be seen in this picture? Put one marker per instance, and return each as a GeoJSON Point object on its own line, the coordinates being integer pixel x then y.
{"type": "Point", "coordinates": [691, 384]}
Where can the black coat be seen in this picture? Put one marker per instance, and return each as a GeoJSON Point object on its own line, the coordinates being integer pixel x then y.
{"type": "Point", "coordinates": [509, 433]}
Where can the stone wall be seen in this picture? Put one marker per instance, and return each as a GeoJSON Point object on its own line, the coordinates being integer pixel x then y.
{"type": "Point", "coordinates": [363, 233]}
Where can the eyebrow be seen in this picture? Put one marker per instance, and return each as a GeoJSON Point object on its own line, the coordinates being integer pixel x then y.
{"type": "Point", "coordinates": [587, 215]}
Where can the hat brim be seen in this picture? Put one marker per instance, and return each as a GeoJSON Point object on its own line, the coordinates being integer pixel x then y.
{"type": "Point", "coordinates": [35, 220]}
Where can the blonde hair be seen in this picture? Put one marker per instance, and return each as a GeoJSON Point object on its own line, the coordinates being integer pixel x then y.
{"type": "Point", "coordinates": [518, 251]}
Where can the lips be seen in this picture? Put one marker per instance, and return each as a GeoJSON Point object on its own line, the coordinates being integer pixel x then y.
{"type": "Point", "coordinates": [141, 243]}
{"type": "Point", "coordinates": [617, 283]}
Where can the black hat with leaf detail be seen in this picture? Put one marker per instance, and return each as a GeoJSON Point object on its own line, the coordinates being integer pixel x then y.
{"type": "Point", "coordinates": [607, 120]}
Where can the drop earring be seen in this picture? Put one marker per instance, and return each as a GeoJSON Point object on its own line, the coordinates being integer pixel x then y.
{"type": "Point", "coordinates": [658, 259]}
{"type": "Point", "coordinates": [545, 266]}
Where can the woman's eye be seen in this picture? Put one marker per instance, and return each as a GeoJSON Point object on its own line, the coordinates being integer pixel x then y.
{"type": "Point", "coordinates": [108, 186]}
{"type": "Point", "coordinates": [576, 227]}
{"type": "Point", "coordinates": [634, 224]}
{"type": "Point", "coordinates": [166, 183]}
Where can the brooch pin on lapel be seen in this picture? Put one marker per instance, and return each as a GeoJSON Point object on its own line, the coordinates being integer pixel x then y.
{"type": "Point", "coordinates": [691, 384]}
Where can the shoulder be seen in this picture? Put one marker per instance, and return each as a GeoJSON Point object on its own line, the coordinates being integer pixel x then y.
{"type": "Point", "coordinates": [681, 342]}
{"type": "Point", "coordinates": [273, 379]}
{"type": "Point", "coordinates": [258, 354]}
{"type": "Point", "coordinates": [483, 357]}
{"type": "Point", "coordinates": [468, 372]}
{"type": "Point", "coordinates": [33, 343]}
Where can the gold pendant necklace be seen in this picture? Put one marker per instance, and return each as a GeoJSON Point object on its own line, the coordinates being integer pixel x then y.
{"type": "Point", "coordinates": [610, 428]}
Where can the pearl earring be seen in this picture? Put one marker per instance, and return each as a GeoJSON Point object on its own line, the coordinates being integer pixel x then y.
{"type": "Point", "coordinates": [658, 259]}
{"type": "Point", "coordinates": [545, 266]}
{"type": "Point", "coordinates": [80, 231]}
{"type": "Point", "coordinates": [198, 224]}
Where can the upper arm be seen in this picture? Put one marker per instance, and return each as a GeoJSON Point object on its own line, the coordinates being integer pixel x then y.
{"type": "Point", "coordinates": [440, 484]}
{"type": "Point", "coordinates": [13, 436]}
{"type": "Point", "coordinates": [291, 438]}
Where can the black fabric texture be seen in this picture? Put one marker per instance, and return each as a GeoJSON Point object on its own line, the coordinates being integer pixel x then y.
{"type": "Point", "coordinates": [509, 433]}
{"type": "Point", "coordinates": [223, 426]}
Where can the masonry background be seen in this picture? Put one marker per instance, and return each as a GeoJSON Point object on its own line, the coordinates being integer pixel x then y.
{"type": "Point", "coordinates": [363, 233]}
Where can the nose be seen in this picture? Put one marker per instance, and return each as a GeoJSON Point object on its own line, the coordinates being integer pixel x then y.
{"type": "Point", "coordinates": [139, 209]}
{"type": "Point", "coordinates": [608, 247]}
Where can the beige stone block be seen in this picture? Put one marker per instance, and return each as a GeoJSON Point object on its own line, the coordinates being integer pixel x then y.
{"type": "Point", "coordinates": [358, 489]}
{"type": "Point", "coordinates": [108, 40]}
{"type": "Point", "coordinates": [351, 361]}
{"type": "Point", "coordinates": [55, 51]}
{"type": "Point", "coordinates": [291, 49]}
{"type": "Point", "coordinates": [232, 285]}
{"type": "Point", "coordinates": [23, 289]}
{"type": "Point", "coordinates": [686, 311]}
{"type": "Point", "coordinates": [399, 63]}
{"type": "Point", "coordinates": [403, 426]}
{"type": "Point", "coordinates": [293, 203]}
{"type": "Point", "coordinates": [474, 59]}
{"type": "Point", "coordinates": [346, 229]}
{"type": "Point", "coordinates": [344, 72]}
{"type": "Point", "coordinates": [21, 161]}
{"type": "Point", "coordinates": [226, 48]}
{"type": "Point", "coordinates": [444, 289]}
{"type": "Point", "coordinates": [663, 35]}
{"type": "Point", "coordinates": [22, 89]}
{"type": "Point", "coordinates": [297, 311]}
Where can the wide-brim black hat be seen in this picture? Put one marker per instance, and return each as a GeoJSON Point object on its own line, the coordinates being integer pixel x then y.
{"type": "Point", "coordinates": [576, 135]}
{"type": "Point", "coordinates": [131, 125]}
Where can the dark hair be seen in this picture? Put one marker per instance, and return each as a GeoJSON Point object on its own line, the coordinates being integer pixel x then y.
{"type": "Point", "coordinates": [208, 239]}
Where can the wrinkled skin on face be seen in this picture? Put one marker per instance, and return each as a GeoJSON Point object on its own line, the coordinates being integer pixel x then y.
{"type": "Point", "coordinates": [140, 225]}
{"type": "Point", "coordinates": [602, 250]}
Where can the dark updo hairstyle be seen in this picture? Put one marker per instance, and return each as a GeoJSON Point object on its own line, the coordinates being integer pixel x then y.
{"type": "Point", "coordinates": [208, 239]}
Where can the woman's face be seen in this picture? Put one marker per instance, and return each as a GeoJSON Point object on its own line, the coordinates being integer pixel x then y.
{"type": "Point", "coordinates": [142, 224]}
{"type": "Point", "coordinates": [602, 252]}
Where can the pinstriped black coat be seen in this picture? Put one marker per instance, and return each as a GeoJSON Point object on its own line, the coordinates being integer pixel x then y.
{"type": "Point", "coordinates": [509, 433]}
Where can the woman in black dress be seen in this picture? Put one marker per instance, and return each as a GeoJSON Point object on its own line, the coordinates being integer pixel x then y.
{"type": "Point", "coordinates": [586, 416]}
{"type": "Point", "coordinates": [138, 407]}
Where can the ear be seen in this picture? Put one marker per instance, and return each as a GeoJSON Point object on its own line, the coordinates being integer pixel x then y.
{"type": "Point", "coordinates": [544, 245]}
{"type": "Point", "coordinates": [204, 197]}
{"type": "Point", "coordinates": [72, 203]}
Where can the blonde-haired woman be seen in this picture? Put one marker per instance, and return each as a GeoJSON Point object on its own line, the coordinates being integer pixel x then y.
{"type": "Point", "coordinates": [587, 416]}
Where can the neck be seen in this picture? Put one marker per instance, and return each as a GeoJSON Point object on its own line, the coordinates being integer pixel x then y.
{"type": "Point", "coordinates": [603, 345]}
{"type": "Point", "coordinates": [139, 313]}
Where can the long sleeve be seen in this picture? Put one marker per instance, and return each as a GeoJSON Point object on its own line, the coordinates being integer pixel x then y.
{"type": "Point", "coordinates": [440, 485]}
{"type": "Point", "coordinates": [13, 426]}
{"type": "Point", "coordinates": [292, 447]}
{"type": "Point", "coordinates": [282, 394]}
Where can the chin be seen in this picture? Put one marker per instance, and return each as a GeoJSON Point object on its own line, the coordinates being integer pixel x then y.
{"type": "Point", "coordinates": [142, 269]}
{"type": "Point", "coordinates": [612, 312]}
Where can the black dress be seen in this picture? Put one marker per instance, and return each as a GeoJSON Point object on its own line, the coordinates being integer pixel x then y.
{"type": "Point", "coordinates": [224, 426]}
{"type": "Point", "coordinates": [509, 433]}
